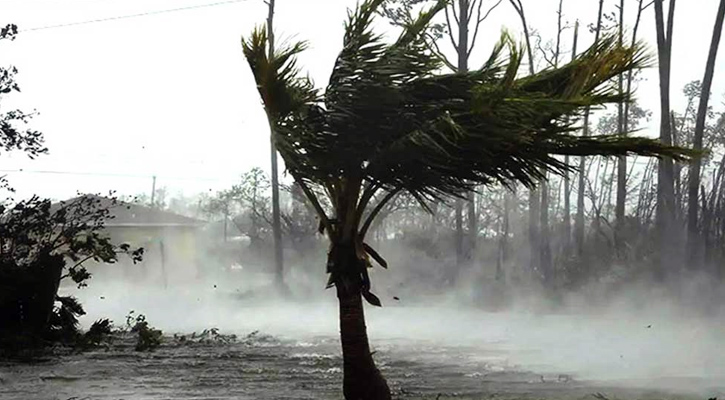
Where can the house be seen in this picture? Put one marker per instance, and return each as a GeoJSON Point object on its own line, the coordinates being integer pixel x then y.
{"type": "Point", "coordinates": [170, 241]}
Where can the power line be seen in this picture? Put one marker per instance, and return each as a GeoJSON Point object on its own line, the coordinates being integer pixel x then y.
{"type": "Point", "coordinates": [54, 172]}
{"type": "Point", "coordinates": [119, 17]}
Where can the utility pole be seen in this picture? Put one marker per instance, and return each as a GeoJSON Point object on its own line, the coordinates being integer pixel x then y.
{"type": "Point", "coordinates": [276, 222]}
{"type": "Point", "coordinates": [153, 191]}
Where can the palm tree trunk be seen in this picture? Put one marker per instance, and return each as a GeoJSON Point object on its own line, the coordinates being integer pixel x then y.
{"type": "Point", "coordinates": [361, 378]}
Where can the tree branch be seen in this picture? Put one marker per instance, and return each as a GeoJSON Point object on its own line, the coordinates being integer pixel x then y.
{"type": "Point", "coordinates": [315, 203]}
{"type": "Point", "coordinates": [450, 30]}
{"type": "Point", "coordinates": [433, 47]}
{"type": "Point", "coordinates": [480, 20]}
{"type": "Point", "coordinates": [455, 16]}
{"type": "Point", "coordinates": [489, 11]}
{"type": "Point", "coordinates": [367, 194]}
{"type": "Point", "coordinates": [371, 217]}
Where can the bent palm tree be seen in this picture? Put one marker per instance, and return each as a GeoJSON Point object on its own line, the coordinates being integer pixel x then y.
{"type": "Point", "coordinates": [389, 122]}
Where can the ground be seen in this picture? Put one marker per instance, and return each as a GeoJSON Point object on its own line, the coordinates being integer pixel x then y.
{"type": "Point", "coordinates": [263, 367]}
{"type": "Point", "coordinates": [426, 352]}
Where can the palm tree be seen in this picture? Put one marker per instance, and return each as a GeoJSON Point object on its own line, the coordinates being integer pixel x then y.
{"type": "Point", "coordinates": [390, 122]}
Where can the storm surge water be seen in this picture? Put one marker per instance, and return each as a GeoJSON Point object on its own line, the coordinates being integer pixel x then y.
{"type": "Point", "coordinates": [639, 339]}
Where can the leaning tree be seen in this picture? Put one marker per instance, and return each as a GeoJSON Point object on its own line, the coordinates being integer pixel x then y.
{"type": "Point", "coordinates": [390, 122]}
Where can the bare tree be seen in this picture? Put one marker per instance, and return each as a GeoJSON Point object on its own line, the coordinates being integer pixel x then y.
{"type": "Point", "coordinates": [665, 215]}
{"type": "Point", "coordinates": [694, 179]}
{"type": "Point", "coordinates": [623, 125]}
{"type": "Point", "coordinates": [566, 228]}
{"type": "Point", "coordinates": [579, 220]}
{"type": "Point", "coordinates": [622, 161]}
{"type": "Point", "coordinates": [462, 16]}
{"type": "Point", "coordinates": [534, 233]}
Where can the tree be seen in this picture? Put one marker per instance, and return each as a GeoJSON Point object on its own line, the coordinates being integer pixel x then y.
{"type": "Point", "coordinates": [623, 116]}
{"type": "Point", "coordinates": [534, 194]}
{"type": "Point", "coordinates": [38, 240]}
{"type": "Point", "coordinates": [694, 180]}
{"type": "Point", "coordinates": [13, 134]}
{"type": "Point", "coordinates": [251, 194]}
{"type": "Point", "coordinates": [458, 29]}
{"type": "Point", "coordinates": [665, 216]}
{"type": "Point", "coordinates": [621, 161]}
{"type": "Point", "coordinates": [566, 226]}
{"type": "Point", "coordinates": [390, 122]}
{"type": "Point", "coordinates": [223, 204]}
{"type": "Point", "coordinates": [579, 218]}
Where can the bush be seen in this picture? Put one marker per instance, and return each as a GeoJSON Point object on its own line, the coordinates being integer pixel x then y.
{"type": "Point", "coordinates": [37, 241]}
{"type": "Point", "coordinates": [148, 338]}
{"type": "Point", "coordinates": [98, 333]}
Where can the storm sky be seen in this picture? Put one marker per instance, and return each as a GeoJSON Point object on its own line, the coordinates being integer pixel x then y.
{"type": "Point", "coordinates": [170, 94]}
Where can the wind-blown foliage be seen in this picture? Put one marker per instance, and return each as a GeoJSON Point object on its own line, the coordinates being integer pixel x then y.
{"type": "Point", "coordinates": [13, 135]}
{"type": "Point", "coordinates": [390, 121]}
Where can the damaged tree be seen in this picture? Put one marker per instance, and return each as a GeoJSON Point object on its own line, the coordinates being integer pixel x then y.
{"type": "Point", "coordinates": [42, 244]}
{"type": "Point", "coordinates": [389, 122]}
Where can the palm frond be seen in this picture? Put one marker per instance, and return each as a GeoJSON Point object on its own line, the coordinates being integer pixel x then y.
{"type": "Point", "coordinates": [390, 118]}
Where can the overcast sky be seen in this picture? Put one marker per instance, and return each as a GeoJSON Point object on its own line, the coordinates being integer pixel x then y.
{"type": "Point", "coordinates": [169, 94]}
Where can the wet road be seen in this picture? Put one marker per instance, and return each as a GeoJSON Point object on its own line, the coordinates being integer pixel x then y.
{"type": "Point", "coordinates": [266, 367]}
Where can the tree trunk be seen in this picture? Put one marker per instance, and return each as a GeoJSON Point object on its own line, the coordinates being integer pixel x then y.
{"type": "Point", "coordinates": [547, 267]}
{"type": "Point", "coordinates": [276, 220]}
{"type": "Point", "coordinates": [567, 181]}
{"type": "Point", "coordinates": [693, 236]}
{"type": "Point", "coordinates": [226, 222]}
{"type": "Point", "coordinates": [665, 216]}
{"type": "Point", "coordinates": [472, 228]}
{"type": "Point", "coordinates": [579, 220]}
{"type": "Point", "coordinates": [546, 264]}
{"type": "Point", "coordinates": [361, 378]}
{"type": "Point", "coordinates": [622, 160]}
{"type": "Point", "coordinates": [37, 307]}
{"type": "Point", "coordinates": [534, 233]}
{"type": "Point", "coordinates": [502, 258]}
{"type": "Point", "coordinates": [622, 181]}
{"type": "Point", "coordinates": [460, 256]}
{"type": "Point", "coordinates": [465, 244]}
{"type": "Point", "coordinates": [534, 195]}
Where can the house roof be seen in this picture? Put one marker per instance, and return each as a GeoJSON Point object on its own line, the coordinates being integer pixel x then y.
{"type": "Point", "coordinates": [134, 215]}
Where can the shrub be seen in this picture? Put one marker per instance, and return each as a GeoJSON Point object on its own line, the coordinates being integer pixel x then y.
{"type": "Point", "coordinates": [148, 338]}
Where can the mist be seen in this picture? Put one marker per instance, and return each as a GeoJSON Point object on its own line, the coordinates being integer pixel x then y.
{"type": "Point", "coordinates": [635, 334]}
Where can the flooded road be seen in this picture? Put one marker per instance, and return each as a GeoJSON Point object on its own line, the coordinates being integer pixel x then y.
{"type": "Point", "coordinates": [264, 367]}
{"type": "Point", "coordinates": [425, 353]}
